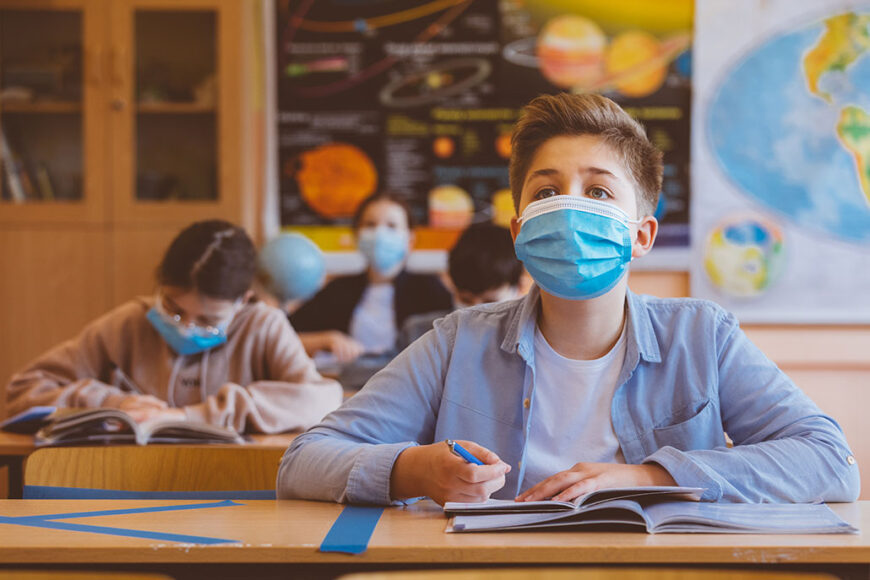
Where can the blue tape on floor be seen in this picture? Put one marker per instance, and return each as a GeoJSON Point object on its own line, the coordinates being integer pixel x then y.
{"type": "Point", "coordinates": [351, 532]}
{"type": "Point", "coordinates": [54, 492]}
{"type": "Point", "coordinates": [48, 521]}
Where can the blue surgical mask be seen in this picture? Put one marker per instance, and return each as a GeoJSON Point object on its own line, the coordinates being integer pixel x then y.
{"type": "Point", "coordinates": [384, 248]}
{"type": "Point", "coordinates": [186, 339]}
{"type": "Point", "coordinates": [574, 248]}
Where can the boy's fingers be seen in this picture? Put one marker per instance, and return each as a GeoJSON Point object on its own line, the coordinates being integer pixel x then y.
{"type": "Point", "coordinates": [480, 473]}
{"type": "Point", "coordinates": [480, 452]}
{"type": "Point", "coordinates": [550, 486]}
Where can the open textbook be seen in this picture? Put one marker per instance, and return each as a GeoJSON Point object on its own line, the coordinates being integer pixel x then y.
{"type": "Point", "coordinates": [664, 509]}
{"type": "Point", "coordinates": [72, 426]}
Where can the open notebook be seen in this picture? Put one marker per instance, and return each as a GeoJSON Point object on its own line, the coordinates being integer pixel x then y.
{"type": "Point", "coordinates": [112, 426]}
{"type": "Point", "coordinates": [665, 509]}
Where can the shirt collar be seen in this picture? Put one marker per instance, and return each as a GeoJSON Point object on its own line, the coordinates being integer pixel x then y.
{"type": "Point", "coordinates": [639, 334]}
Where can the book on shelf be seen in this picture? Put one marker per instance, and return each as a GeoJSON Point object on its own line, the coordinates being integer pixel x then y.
{"type": "Point", "coordinates": [72, 426]}
{"type": "Point", "coordinates": [43, 181]}
{"type": "Point", "coordinates": [657, 509]}
{"type": "Point", "coordinates": [12, 168]}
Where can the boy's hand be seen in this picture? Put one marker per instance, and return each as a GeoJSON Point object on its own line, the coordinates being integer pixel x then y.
{"type": "Point", "coordinates": [584, 478]}
{"type": "Point", "coordinates": [433, 471]}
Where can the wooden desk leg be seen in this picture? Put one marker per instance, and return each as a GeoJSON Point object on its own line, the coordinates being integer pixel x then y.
{"type": "Point", "coordinates": [15, 466]}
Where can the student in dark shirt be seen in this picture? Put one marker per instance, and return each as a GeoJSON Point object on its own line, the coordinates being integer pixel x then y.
{"type": "Point", "coordinates": [483, 268]}
{"type": "Point", "coordinates": [360, 314]}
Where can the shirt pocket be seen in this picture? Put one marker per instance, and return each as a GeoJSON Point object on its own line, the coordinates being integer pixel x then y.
{"type": "Point", "coordinates": [702, 430]}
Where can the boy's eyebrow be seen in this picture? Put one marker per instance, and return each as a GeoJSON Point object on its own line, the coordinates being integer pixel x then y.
{"type": "Point", "coordinates": [600, 171]}
{"type": "Point", "coordinates": [541, 173]}
{"type": "Point", "coordinates": [594, 170]}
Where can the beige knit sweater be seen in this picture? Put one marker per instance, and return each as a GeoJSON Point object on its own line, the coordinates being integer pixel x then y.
{"type": "Point", "coordinates": [261, 380]}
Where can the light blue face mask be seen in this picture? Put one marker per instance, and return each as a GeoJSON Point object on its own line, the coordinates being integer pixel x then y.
{"type": "Point", "coordinates": [383, 247]}
{"type": "Point", "coordinates": [574, 248]}
{"type": "Point", "coordinates": [188, 339]}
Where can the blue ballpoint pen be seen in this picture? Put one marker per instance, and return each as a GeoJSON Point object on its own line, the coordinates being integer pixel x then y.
{"type": "Point", "coordinates": [457, 449]}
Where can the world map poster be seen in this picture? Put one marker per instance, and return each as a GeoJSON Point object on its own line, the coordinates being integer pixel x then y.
{"type": "Point", "coordinates": [780, 208]}
{"type": "Point", "coordinates": [419, 97]}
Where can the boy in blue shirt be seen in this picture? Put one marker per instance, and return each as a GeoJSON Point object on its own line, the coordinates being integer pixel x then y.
{"type": "Point", "coordinates": [580, 385]}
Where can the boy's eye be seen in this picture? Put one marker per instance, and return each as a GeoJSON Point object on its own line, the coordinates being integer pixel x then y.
{"type": "Point", "coordinates": [545, 192]}
{"type": "Point", "coordinates": [598, 193]}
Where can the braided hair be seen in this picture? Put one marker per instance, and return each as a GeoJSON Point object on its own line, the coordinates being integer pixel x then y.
{"type": "Point", "coordinates": [213, 257]}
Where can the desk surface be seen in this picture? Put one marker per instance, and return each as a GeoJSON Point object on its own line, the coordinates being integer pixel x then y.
{"type": "Point", "coordinates": [15, 444]}
{"type": "Point", "coordinates": [291, 531]}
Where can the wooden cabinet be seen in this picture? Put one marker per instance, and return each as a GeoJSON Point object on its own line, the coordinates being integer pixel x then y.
{"type": "Point", "coordinates": [120, 122]}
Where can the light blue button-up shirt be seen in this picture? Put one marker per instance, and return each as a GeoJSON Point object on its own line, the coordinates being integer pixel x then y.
{"type": "Point", "coordinates": [689, 376]}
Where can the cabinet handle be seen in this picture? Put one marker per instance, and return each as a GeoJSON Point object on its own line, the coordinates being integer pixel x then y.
{"type": "Point", "coordinates": [118, 104]}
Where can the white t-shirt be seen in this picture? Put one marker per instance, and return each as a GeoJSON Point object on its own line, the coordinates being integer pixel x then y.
{"type": "Point", "coordinates": [571, 421]}
{"type": "Point", "coordinates": [373, 323]}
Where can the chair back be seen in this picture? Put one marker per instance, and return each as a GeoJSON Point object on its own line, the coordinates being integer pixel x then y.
{"type": "Point", "coordinates": [152, 472]}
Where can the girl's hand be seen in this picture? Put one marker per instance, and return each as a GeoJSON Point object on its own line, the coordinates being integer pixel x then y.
{"type": "Point", "coordinates": [584, 478]}
{"type": "Point", "coordinates": [433, 471]}
{"type": "Point", "coordinates": [343, 347]}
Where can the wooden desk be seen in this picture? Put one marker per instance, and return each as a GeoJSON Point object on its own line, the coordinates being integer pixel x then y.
{"type": "Point", "coordinates": [15, 448]}
{"type": "Point", "coordinates": [274, 536]}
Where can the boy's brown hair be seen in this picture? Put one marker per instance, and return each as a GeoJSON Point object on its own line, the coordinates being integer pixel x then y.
{"type": "Point", "coordinates": [564, 114]}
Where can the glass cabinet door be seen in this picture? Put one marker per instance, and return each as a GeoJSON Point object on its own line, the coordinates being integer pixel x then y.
{"type": "Point", "coordinates": [173, 111]}
{"type": "Point", "coordinates": [49, 82]}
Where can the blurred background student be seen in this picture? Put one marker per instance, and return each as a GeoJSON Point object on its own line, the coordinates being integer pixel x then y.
{"type": "Point", "coordinates": [199, 349]}
{"type": "Point", "coordinates": [363, 313]}
{"type": "Point", "coordinates": [483, 268]}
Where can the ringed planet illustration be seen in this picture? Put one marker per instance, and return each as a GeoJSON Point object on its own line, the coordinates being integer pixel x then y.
{"type": "Point", "coordinates": [573, 52]}
{"type": "Point", "coordinates": [442, 80]}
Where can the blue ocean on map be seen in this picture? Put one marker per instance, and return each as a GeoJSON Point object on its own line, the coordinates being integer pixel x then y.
{"type": "Point", "coordinates": [777, 141]}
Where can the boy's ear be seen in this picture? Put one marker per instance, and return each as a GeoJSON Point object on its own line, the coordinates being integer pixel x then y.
{"type": "Point", "coordinates": [647, 230]}
{"type": "Point", "coordinates": [515, 228]}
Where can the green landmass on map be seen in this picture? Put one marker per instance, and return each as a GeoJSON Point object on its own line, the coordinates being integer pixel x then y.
{"type": "Point", "coordinates": [846, 38]}
{"type": "Point", "coordinates": [853, 128]}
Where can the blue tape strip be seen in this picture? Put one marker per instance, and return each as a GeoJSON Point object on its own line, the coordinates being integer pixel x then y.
{"type": "Point", "coordinates": [36, 523]}
{"type": "Point", "coordinates": [120, 512]}
{"type": "Point", "coordinates": [47, 521]}
{"type": "Point", "coordinates": [352, 530]}
{"type": "Point", "coordinates": [53, 492]}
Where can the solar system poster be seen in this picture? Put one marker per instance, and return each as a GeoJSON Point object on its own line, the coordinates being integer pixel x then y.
{"type": "Point", "coordinates": [420, 97]}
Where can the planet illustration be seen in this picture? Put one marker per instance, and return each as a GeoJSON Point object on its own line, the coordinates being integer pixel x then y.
{"type": "Point", "coordinates": [443, 147]}
{"type": "Point", "coordinates": [502, 208]}
{"type": "Point", "coordinates": [450, 206]}
{"type": "Point", "coordinates": [439, 81]}
{"type": "Point", "coordinates": [503, 145]}
{"type": "Point", "coordinates": [634, 53]}
{"type": "Point", "coordinates": [334, 178]}
{"type": "Point", "coordinates": [573, 53]}
{"type": "Point", "coordinates": [744, 255]}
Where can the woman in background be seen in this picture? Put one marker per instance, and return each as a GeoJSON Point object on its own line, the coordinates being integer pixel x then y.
{"type": "Point", "coordinates": [360, 314]}
{"type": "Point", "coordinates": [199, 349]}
